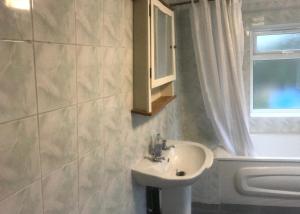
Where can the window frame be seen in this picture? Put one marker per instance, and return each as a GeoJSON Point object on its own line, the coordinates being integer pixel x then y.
{"type": "Point", "coordinates": [271, 55]}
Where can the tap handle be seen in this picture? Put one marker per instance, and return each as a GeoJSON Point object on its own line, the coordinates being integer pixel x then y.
{"type": "Point", "coordinates": [165, 147]}
{"type": "Point", "coordinates": [158, 138]}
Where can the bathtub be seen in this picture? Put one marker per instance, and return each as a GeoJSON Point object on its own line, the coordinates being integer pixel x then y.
{"type": "Point", "coordinates": [272, 178]}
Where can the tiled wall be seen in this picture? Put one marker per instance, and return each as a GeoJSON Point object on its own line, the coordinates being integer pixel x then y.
{"type": "Point", "coordinates": [194, 121]}
{"type": "Point", "coordinates": [67, 137]}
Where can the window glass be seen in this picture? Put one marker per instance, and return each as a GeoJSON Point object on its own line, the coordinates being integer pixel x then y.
{"type": "Point", "coordinates": [277, 42]}
{"type": "Point", "coordinates": [276, 84]}
{"type": "Point", "coordinates": [163, 44]}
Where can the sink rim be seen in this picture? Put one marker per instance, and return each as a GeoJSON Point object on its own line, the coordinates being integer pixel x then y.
{"type": "Point", "coordinates": [139, 172]}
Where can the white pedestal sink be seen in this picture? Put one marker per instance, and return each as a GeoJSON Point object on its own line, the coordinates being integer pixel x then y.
{"type": "Point", "coordinates": [175, 175]}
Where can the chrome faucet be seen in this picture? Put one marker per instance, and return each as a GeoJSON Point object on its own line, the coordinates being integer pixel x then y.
{"type": "Point", "coordinates": [158, 144]}
{"type": "Point", "coordinates": [165, 147]}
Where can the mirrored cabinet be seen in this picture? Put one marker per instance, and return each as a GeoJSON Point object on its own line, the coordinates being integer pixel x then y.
{"type": "Point", "coordinates": [154, 56]}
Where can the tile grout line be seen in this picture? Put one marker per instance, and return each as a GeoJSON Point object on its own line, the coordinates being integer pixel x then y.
{"type": "Point", "coordinates": [20, 190]}
{"type": "Point", "coordinates": [19, 118]}
{"type": "Point", "coordinates": [102, 85]}
{"type": "Point", "coordinates": [57, 43]}
{"type": "Point", "coordinates": [55, 170]}
{"type": "Point", "coordinates": [38, 179]}
{"type": "Point", "coordinates": [57, 109]}
{"type": "Point", "coordinates": [77, 104]}
{"type": "Point", "coordinates": [37, 107]}
{"type": "Point", "coordinates": [102, 67]}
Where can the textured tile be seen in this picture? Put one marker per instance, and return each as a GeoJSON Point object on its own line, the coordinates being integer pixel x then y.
{"type": "Point", "coordinates": [128, 10]}
{"type": "Point", "coordinates": [127, 25]}
{"type": "Point", "coordinates": [111, 65]}
{"type": "Point", "coordinates": [193, 121]}
{"type": "Point", "coordinates": [116, 210]}
{"type": "Point", "coordinates": [26, 201]}
{"type": "Point", "coordinates": [279, 210]}
{"type": "Point", "coordinates": [111, 30]}
{"type": "Point", "coordinates": [128, 201]}
{"type": "Point", "coordinates": [112, 119]}
{"type": "Point", "coordinates": [139, 202]}
{"type": "Point", "coordinates": [15, 23]}
{"type": "Point", "coordinates": [57, 138]}
{"type": "Point", "coordinates": [130, 152]}
{"type": "Point", "coordinates": [114, 190]}
{"type": "Point", "coordinates": [56, 76]}
{"type": "Point", "coordinates": [54, 20]}
{"type": "Point", "coordinates": [90, 124]}
{"type": "Point", "coordinates": [112, 22]}
{"type": "Point", "coordinates": [196, 211]}
{"type": "Point", "coordinates": [89, 74]}
{"type": "Point", "coordinates": [19, 158]}
{"type": "Point", "coordinates": [17, 83]}
{"type": "Point", "coordinates": [237, 209]}
{"type": "Point", "coordinates": [114, 152]}
{"type": "Point", "coordinates": [89, 21]}
{"type": "Point", "coordinates": [207, 188]}
{"type": "Point", "coordinates": [115, 176]}
{"type": "Point", "coordinates": [126, 68]}
{"type": "Point", "coordinates": [257, 6]}
{"type": "Point", "coordinates": [91, 185]}
{"type": "Point", "coordinates": [113, 7]}
{"type": "Point", "coordinates": [126, 33]}
{"type": "Point", "coordinates": [201, 207]}
{"type": "Point", "coordinates": [60, 191]}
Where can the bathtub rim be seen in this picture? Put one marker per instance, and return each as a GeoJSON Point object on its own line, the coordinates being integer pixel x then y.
{"type": "Point", "coordinates": [221, 155]}
{"type": "Point", "coordinates": [258, 159]}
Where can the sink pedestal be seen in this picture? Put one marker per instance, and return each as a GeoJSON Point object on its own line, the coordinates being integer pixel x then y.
{"type": "Point", "coordinates": [183, 164]}
{"type": "Point", "coordinates": [176, 200]}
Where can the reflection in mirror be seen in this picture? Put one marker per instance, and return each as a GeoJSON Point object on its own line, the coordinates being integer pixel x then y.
{"type": "Point", "coordinates": [163, 44]}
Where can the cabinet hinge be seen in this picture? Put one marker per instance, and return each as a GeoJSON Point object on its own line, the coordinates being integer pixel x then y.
{"type": "Point", "coordinates": [149, 9]}
{"type": "Point", "coordinates": [150, 73]}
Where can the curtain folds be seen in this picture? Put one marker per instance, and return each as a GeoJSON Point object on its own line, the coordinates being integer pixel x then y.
{"type": "Point", "coordinates": [218, 37]}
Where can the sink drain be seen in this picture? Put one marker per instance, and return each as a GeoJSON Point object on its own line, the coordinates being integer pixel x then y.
{"type": "Point", "coordinates": [180, 173]}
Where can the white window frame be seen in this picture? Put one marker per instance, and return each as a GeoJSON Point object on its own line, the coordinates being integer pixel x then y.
{"type": "Point", "coordinates": [292, 54]}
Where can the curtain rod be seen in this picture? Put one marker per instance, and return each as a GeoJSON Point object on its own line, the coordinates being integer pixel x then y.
{"type": "Point", "coordinates": [184, 2]}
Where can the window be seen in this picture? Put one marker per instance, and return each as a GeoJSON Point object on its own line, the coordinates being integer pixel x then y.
{"type": "Point", "coordinates": [275, 76]}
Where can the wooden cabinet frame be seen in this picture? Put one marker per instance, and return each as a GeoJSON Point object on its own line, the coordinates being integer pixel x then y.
{"type": "Point", "coordinates": [150, 95]}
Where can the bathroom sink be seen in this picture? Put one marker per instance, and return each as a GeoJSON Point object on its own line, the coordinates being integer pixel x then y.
{"type": "Point", "coordinates": [182, 166]}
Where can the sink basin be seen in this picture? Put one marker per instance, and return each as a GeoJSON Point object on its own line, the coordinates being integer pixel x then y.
{"type": "Point", "coordinates": [181, 167]}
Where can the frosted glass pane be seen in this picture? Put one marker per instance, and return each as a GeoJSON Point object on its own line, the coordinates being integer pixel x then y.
{"type": "Point", "coordinates": [276, 84]}
{"type": "Point", "coordinates": [163, 42]}
{"type": "Point", "coordinates": [279, 42]}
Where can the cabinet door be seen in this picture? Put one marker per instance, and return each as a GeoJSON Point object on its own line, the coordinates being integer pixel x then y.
{"type": "Point", "coordinates": [162, 44]}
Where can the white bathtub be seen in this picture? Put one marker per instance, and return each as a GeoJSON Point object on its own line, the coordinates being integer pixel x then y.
{"type": "Point", "coordinates": [272, 179]}
{"type": "Point", "coordinates": [283, 146]}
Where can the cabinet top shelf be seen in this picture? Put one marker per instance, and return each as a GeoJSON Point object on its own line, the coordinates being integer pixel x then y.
{"type": "Point", "coordinates": [157, 105]}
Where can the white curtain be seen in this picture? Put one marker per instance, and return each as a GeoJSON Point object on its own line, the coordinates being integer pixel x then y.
{"type": "Point", "coordinates": [218, 38]}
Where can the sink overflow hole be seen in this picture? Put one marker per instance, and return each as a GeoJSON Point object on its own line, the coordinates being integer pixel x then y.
{"type": "Point", "coordinates": [180, 173]}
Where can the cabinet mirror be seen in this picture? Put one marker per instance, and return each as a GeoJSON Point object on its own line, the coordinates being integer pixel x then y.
{"type": "Point", "coordinates": [163, 44]}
